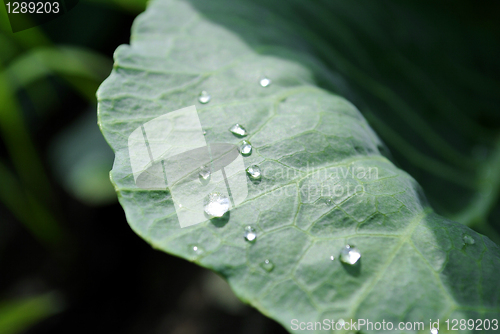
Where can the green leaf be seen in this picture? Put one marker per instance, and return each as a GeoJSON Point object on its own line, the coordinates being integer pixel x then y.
{"type": "Point", "coordinates": [414, 266]}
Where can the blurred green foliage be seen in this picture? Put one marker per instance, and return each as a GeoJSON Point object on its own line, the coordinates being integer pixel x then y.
{"type": "Point", "coordinates": [29, 62]}
{"type": "Point", "coordinates": [18, 315]}
{"type": "Point", "coordinates": [425, 76]}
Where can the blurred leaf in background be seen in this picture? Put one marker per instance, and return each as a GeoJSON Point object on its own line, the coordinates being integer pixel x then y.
{"type": "Point", "coordinates": [42, 85]}
{"type": "Point", "coordinates": [81, 161]}
{"type": "Point", "coordinates": [425, 76]}
{"type": "Point", "coordinates": [18, 315]}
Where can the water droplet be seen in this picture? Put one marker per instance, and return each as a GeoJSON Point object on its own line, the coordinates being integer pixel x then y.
{"type": "Point", "coordinates": [205, 174]}
{"type": "Point", "coordinates": [434, 331]}
{"type": "Point", "coordinates": [238, 130]}
{"type": "Point", "coordinates": [196, 249]}
{"type": "Point", "coordinates": [254, 172]}
{"type": "Point", "coordinates": [349, 254]}
{"type": "Point", "coordinates": [204, 97]}
{"type": "Point", "coordinates": [246, 148]}
{"type": "Point", "coordinates": [341, 322]}
{"type": "Point", "coordinates": [180, 205]}
{"type": "Point", "coordinates": [216, 204]}
{"type": "Point", "coordinates": [332, 257]}
{"type": "Point", "coordinates": [204, 133]}
{"type": "Point", "coordinates": [328, 201]}
{"type": "Point", "coordinates": [468, 239]}
{"type": "Point", "coordinates": [267, 265]}
{"type": "Point", "coordinates": [250, 234]}
{"type": "Point", "coordinates": [265, 81]}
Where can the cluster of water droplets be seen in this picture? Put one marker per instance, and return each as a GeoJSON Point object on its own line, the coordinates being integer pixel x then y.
{"type": "Point", "coordinates": [239, 131]}
{"type": "Point", "coordinates": [216, 204]}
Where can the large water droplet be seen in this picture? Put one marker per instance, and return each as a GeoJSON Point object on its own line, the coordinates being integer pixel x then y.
{"type": "Point", "coordinates": [264, 81]}
{"type": "Point", "coordinates": [349, 254]}
{"type": "Point", "coordinates": [332, 257]}
{"type": "Point", "coordinates": [468, 239]}
{"type": "Point", "coordinates": [238, 130]}
{"type": "Point", "coordinates": [246, 148]}
{"type": "Point", "coordinates": [204, 97]}
{"type": "Point", "coordinates": [216, 204]}
{"type": "Point", "coordinates": [250, 234]}
{"type": "Point", "coordinates": [254, 172]}
{"type": "Point", "coordinates": [434, 331]}
{"type": "Point", "coordinates": [267, 265]}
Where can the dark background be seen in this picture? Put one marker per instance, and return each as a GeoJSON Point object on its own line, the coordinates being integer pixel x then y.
{"type": "Point", "coordinates": [68, 260]}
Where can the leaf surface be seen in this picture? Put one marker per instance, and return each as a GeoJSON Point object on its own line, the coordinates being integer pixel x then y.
{"type": "Point", "coordinates": [310, 144]}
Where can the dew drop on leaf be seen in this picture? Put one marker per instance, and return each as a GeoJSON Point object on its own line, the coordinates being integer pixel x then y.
{"type": "Point", "coordinates": [238, 130]}
{"type": "Point", "coordinates": [434, 331]}
{"type": "Point", "coordinates": [246, 148]}
{"type": "Point", "coordinates": [254, 172]}
{"type": "Point", "coordinates": [468, 239]}
{"type": "Point", "coordinates": [205, 174]}
{"type": "Point", "coordinates": [204, 97]}
{"type": "Point", "coordinates": [349, 255]}
{"type": "Point", "coordinates": [265, 81]}
{"type": "Point", "coordinates": [267, 265]}
{"type": "Point", "coordinates": [196, 249]}
{"type": "Point", "coordinates": [250, 234]}
{"type": "Point", "coordinates": [216, 204]}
